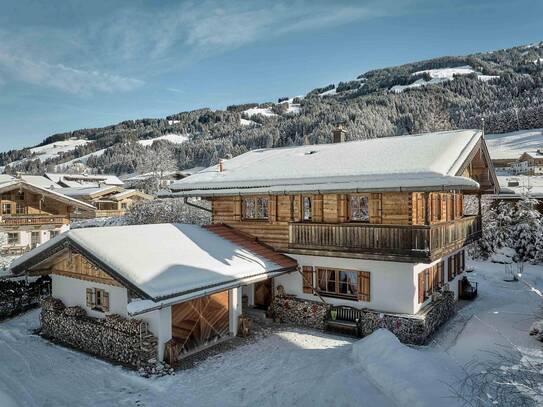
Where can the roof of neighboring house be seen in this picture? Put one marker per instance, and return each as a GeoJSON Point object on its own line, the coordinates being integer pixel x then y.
{"type": "Point", "coordinates": [166, 174]}
{"type": "Point", "coordinates": [8, 186]}
{"type": "Point", "coordinates": [83, 180]}
{"type": "Point", "coordinates": [6, 178]}
{"type": "Point", "coordinates": [130, 192]}
{"type": "Point", "coordinates": [432, 160]}
{"type": "Point", "coordinates": [91, 192]}
{"type": "Point", "coordinates": [515, 186]}
{"type": "Point", "coordinates": [40, 181]}
{"type": "Point", "coordinates": [167, 262]}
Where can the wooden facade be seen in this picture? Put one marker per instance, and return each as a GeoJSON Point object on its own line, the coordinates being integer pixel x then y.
{"type": "Point", "coordinates": [401, 224]}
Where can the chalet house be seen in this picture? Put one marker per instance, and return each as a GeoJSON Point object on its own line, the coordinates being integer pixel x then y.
{"type": "Point", "coordinates": [109, 200]}
{"type": "Point", "coordinates": [529, 163]}
{"type": "Point", "coordinates": [372, 225]}
{"type": "Point", "coordinates": [83, 180]}
{"type": "Point", "coordinates": [31, 215]}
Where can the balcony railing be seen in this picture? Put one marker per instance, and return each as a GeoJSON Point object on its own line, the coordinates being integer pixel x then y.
{"type": "Point", "coordinates": [20, 220]}
{"type": "Point", "coordinates": [425, 242]}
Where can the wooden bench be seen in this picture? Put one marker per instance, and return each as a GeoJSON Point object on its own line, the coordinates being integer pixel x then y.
{"type": "Point", "coordinates": [346, 319]}
{"type": "Point", "coordinates": [468, 291]}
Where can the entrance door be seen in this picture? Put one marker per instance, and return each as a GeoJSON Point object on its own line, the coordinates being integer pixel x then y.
{"type": "Point", "coordinates": [263, 294]}
{"type": "Point", "coordinates": [200, 322]}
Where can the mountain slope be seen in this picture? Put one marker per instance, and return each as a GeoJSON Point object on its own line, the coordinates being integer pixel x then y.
{"type": "Point", "coordinates": [504, 87]}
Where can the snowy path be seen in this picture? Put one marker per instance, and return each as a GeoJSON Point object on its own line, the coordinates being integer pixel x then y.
{"type": "Point", "coordinates": [288, 368]}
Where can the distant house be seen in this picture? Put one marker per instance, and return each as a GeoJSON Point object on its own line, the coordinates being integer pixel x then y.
{"type": "Point", "coordinates": [83, 180]}
{"type": "Point", "coordinates": [31, 215]}
{"type": "Point", "coordinates": [107, 199]}
{"type": "Point", "coordinates": [514, 187]}
{"type": "Point", "coordinates": [529, 163]}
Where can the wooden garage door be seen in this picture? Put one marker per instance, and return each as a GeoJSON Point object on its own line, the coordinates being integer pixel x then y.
{"type": "Point", "coordinates": [199, 322]}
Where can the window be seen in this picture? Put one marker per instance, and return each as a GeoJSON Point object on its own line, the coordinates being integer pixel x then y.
{"type": "Point", "coordinates": [6, 209]}
{"type": "Point", "coordinates": [19, 208]}
{"type": "Point", "coordinates": [13, 238]}
{"type": "Point", "coordinates": [456, 265]}
{"type": "Point", "coordinates": [255, 208]}
{"type": "Point", "coordinates": [307, 208]}
{"type": "Point", "coordinates": [35, 239]}
{"type": "Point", "coordinates": [344, 283]}
{"type": "Point", "coordinates": [124, 205]}
{"type": "Point", "coordinates": [53, 233]}
{"type": "Point", "coordinates": [6, 196]}
{"type": "Point", "coordinates": [358, 207]}
{"type": "Point", "coordinates": [430, 281]}
{"type": "Point", "coordinates": [97, 299]}
{"type": "Point", "coordinates": [20, 196]}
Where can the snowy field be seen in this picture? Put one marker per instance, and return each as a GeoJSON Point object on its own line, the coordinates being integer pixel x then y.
{"type": "Point", "coordinates": [289, 367]}
{"type": "Point", "coordinates": [513, 145]}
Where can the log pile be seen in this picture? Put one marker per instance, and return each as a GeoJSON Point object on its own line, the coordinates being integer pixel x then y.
{"type": "Point", "coordinates": [295, 311]}
{"type": "Point", "coordinates": [114, 337]}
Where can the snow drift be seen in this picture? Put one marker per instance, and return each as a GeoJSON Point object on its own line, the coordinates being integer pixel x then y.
{"type": "Point", "coordinates": [409, 376]}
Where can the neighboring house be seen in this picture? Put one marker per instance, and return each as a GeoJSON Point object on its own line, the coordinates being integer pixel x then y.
{"type": "Point", "coordinates": [108, 200]}
{"type": "Point", "coordinates": [30, 215]}
{"type": "Point", "coordinates": [83, 180]}
{"type": "Point", "coordinates": [373, 224]}
{"type": "Point", "coordinates": [37, 180]}
{"type": "Point", "coordinates": [167, 178]}
{"type": "Point", "coordinates": [183, 280]}
{"type": "Point", "coordinates": [529, 163]}
{"type": "Point", "coordinates": [513, 188]}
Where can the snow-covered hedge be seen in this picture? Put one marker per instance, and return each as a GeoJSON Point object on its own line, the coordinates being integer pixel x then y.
{"type": "Point", "coordinates": [166, 211]}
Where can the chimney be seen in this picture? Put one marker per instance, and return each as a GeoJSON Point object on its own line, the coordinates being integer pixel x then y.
{"type": "Point", "coordinates": [338, 134]}
{"type": "Point", "coordinates": [221, 165]}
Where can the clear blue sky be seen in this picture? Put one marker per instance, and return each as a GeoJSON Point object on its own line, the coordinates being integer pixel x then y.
{"type": "Point", "coordinates": [72, 64]}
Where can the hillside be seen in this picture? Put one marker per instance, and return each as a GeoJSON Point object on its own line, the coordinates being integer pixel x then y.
{"type": "Point", "coordinates": [504, 87]}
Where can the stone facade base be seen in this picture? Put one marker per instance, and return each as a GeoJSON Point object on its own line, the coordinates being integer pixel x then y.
{"type": "Point", "coordinates": [409, 329]}
{"type": "Point", "coordinates": [114, 338]}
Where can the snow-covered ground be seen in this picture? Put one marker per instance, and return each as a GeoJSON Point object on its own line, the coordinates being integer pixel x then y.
{"type": "Point", "coordinates": [442, 75]}
{"type": "Point", "coordinates": [289, 367]}
{"type": "Point", "coordinates": [172, 138]}
{"type": "Point", "coordinates": [513, 145]}
{"type": "Point", "coordinates": [264, 111]}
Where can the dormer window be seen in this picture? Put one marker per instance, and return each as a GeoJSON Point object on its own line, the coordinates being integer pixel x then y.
{"type": "Point", "coordinates": [255, 208]}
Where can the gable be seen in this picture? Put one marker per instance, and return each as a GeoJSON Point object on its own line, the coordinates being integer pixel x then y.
{"type": "Point", "coordinates": [479, 167]}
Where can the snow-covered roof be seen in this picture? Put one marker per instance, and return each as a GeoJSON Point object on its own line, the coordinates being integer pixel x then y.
{"type": "Point", "coordinates": [90, 191]}
{"type": "Point", "coordinates": [515, 186]}
{"type": "Point", "coordinates": [6, 178]}
{"type": "Point", "coordinates": [165, 260]}
{"type": "Point", "coordinates": [431, 160]}
{"type": "Point", "coordinates": [40, 181]}
{"type": "Point", "coordinates": [130, 192]}
{"type": "Point", "coordinates": [8, 186]}
{"type": "Point", "coordinates": [512, 145]}
{"type": "Point", "coordinates": [82, 180]}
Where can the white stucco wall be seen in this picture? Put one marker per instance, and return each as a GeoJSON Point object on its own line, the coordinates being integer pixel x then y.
{"type": "Point", "coordinates": [25, 233]}
{"type": "Point", "coordinates": [72, 292]}
{"type": "Point", "coordinates": [160, 324]}
{"type": "Point", "coordinates": [392, 284]}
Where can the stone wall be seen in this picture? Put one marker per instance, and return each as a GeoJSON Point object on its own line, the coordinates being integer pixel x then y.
{"type": "Point", "coordinates": [115, 338]}
{"type": "Point", "coordinates": [414, 329]}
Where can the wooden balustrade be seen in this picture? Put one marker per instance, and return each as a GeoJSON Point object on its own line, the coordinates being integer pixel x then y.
{"type": "Point", "coordinates": [21, 220]}
{"type": "Point", "coordinates": [411, 242]}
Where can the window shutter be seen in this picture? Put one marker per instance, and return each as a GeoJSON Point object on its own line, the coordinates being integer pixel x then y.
{"type": "Point", "coordinates": [375, 208]}
{"type": "Point", "coordinates": [364, 287]}
{"type": "Point", "coordinates": [307, 279]}
{"type": "Point", "coordinates": [90, 297]}
{"type": "Point", "coordinates": [421, 287]}
{"type": "Point", "coordinates": [105, 299]}
{"type": "Point", "coordinates": [450, 268]}
{"type": "Point", "coordinates": [463, 261]}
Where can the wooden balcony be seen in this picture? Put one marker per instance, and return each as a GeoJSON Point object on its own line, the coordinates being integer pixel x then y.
{"type": "Point", "coordinates": [384, 242]}
{"type": "Point", "coordinates": [21, 220]}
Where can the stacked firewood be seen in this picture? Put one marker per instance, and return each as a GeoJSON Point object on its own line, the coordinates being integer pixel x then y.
{"type": "Point", "coordinates": [114, 338]}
